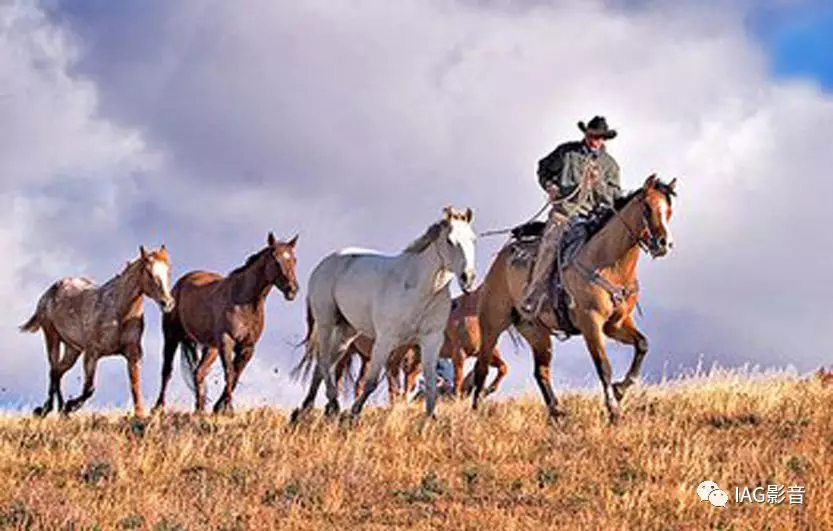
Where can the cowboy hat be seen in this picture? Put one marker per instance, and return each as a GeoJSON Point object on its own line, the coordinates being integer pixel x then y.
{"type": "Point", "coordinates": [598, 126]}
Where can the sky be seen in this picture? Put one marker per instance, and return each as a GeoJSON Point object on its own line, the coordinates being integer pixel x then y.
{"type": "Point", "coordinates": [205, 124]}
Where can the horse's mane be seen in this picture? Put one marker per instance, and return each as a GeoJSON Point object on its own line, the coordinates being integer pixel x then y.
{"type": "Point", "coordinates": [603, 214]}
{"type": "Point", "coordinates": [249, 261]}
{"type": "Point", "coordinates": [427, 238]}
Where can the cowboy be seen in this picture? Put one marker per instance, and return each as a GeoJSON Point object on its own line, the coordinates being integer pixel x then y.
{"type": "Point", "coordinates": [578, 176]}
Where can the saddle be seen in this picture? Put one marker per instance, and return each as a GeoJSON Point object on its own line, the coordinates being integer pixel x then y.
{"type": "Point", "coordinates": [524, 245]}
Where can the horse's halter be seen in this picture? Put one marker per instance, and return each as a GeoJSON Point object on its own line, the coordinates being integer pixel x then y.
{"type": "Point", "coordinates": [650, 242]}
{"type": "Point", "coordinates": [282, 282]}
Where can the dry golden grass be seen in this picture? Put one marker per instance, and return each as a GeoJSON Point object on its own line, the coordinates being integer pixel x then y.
{"type": "Point", "coordinates": [503, 468]}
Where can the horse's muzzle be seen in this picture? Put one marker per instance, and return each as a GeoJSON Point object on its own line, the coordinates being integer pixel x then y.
{"type": "Point", "coordinates": [467, 280]}
{"type": "Point", "coordinates": [168, 305]}
{"type": "Point", "coordinates": [290, 294]}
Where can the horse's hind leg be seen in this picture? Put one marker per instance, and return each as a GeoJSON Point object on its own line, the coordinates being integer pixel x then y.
{"type": "Point", "coordinates": [541, 344]}
{"type": "Point", "coordinates": [71, 355]}
{"type": "Point", "coordinates": [90, 362]}
{"type": "Point", "coordinates": [335, 340]}
{"type": "Point", "coordinates": [626, 332]}
{"type": "Point", "coordinates": [494, 318]}
{"type": "Point", "coordinates": [53, 351]}
{"type": "Point", "coordinates": [172, 333]}
{"type": "Point", "coordinates": [502, 369]}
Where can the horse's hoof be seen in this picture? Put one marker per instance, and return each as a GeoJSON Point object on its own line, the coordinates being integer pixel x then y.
{"type": "Point", "coordinates": [294, 416]}
{"type": "Point", "coordinates": [489, 390]}
{"type": "Point", "coordinates": [348, 419]}
{"type": "Point", "coordinates": [615, 417]}
{"type": "Point", "coordinates": [558, 415]}
{"type": "Point", "coordinates": [223, 408]}
{"type": "Point", "coordinates": [40, 412]}
{"type": "Point", "coordinates": [619, 389]}
{"type": "Point", "coordinates": [332, 409]}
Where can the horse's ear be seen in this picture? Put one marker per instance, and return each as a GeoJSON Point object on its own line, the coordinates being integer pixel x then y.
{"type": "Point", "coordinates": [447, 212]}
{"type": "Point", "coordinates": [650, 181]}
{"type": "Point", "coordinates": [142, 252]}
{"type": "Point", "coordinates": [469, 215]}
{"type": "Point", "coordinates": [672, 185]}
{"type": "Point", "coordinates": [293, 241]}
{"type": "Point", "coordinates": [271, 240]}
{"type": "Point", "coordinates": [162, 247]}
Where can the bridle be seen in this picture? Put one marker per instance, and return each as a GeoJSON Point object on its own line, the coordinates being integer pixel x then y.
{"type": "Point", "coordinates": [650, 242]}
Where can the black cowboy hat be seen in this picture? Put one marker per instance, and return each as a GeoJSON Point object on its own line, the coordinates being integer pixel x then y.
{"type": "Point", "coordinates": [598, 126]}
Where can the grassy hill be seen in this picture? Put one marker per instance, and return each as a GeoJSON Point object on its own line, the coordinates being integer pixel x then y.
{"type": "Point", "coordinates": [503, 468]}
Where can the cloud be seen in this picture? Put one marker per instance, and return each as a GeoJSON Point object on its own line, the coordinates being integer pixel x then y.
{"type": "Point", "coordinates": [207, 125]}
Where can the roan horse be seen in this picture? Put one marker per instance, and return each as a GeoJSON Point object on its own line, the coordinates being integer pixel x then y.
{"type": "Point", "coordinates": [602, 286]}
{"type": "Point", "coordinates": [462, 340]}
{"type": "Point", "coordinates": [99, 321]}
{"type": "Point", "coordinates": [395, 300]}
{"type": "Point", "coordinates": [225, 315]}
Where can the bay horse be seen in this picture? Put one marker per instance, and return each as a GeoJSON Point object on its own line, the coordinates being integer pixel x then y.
{"type": "Point", "coordinates": [395, 300]}
{"type": "Point", "coordinates": [461, 341]}
{"type": "Point", "coordinates": [225, 315]}
{"type": "Point", "coordinates": [99, 321]}
{"type": "Point", "coordinates": [602, 288]}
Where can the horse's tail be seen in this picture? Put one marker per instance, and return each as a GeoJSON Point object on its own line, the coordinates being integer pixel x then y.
{"type": "Point", "coordinates": [34, 323]}
{"type": "Point", "coordinates": [302, 370]}
{"type": "Point", "coordinates": [189, 361]}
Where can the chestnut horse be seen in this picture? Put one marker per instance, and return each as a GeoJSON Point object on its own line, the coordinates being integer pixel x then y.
{"type": "Point", "coordinates": [602, 286]}
{"type": "Point", "coordinates": [99, 321]}
{"type": "Point", "coordinates": [462, 340]}
{"type": "Point", "coordinates": [226, 316]}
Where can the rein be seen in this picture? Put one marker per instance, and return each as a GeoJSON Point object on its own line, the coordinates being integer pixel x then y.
{"type": "Point", "coordinates": [618, 294]}
{"type": "Point", "coordinates": [547, 204]}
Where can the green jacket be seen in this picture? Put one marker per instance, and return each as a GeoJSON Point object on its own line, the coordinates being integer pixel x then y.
{"type": "Point", "coordinates": [564, 168]}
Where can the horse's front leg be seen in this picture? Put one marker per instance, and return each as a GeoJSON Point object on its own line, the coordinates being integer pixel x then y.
{"type": "Point", "coordinates": [591, 324]}
{"type": "Point", "coordinates": [626, 332]}
{"type": "Point", "coordinates": [133, 354]}
{"type": "Point", "coordinates": [430, 345]}
{"type": "Point", "coordinates": [382, 347]}
{"type": "Point", "coordinates": [241, 359]}
{"type": "Point", "coordinates": [209, 354]}
{"type": "Point", "coordinates": [227, 347]}
{"type": "Point", "coordinates": [90, 362]}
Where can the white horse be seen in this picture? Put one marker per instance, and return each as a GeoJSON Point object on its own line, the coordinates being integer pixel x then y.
{"type": "Point", "coordinates": [395, 300]}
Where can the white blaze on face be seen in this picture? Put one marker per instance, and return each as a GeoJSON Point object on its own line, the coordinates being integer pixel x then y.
{"type": "Point", "coordinates": [664, 211]}
{"type": "Point", "coordinates": [162, 274]}
{"type": "Point", "coordinates": [461, 235]}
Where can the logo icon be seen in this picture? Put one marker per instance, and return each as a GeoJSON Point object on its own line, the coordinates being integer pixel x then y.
{"type": "Point", "coordinates": [709, 491]}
